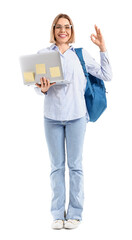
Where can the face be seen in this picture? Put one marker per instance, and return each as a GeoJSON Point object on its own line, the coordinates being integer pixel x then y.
{"type": "Point", "coordinates": [62, 31]}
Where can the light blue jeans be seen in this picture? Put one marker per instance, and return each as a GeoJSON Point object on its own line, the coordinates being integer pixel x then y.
{"type": "Point", "coordinates": [57, 133]}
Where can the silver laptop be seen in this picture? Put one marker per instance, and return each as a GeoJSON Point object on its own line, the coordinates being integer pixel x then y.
{"type": "Point", "coordinates": [47, 65]}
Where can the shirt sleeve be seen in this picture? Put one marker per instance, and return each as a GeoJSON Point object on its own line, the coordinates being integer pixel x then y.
{"type": "Point", "coordinates": [102, 70]}
{"type": "Point", "coordinates": [38, 91]}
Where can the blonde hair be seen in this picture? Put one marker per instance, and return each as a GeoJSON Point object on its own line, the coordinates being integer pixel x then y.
{"type": "Point", "coordinates": [52, 32]}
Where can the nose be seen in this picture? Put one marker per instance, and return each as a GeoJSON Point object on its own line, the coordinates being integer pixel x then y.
{"type": "Point", "coordinates": [63, 29]}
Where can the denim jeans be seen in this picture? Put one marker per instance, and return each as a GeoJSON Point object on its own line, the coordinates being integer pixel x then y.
{"type": "Point", "coordinates": [72, 133]}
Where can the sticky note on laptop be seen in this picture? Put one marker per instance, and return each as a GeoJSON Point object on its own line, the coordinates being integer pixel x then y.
{"type": "Point", "coordinates": [55, 71]}
{"type": "Point", "coordinates": [40, 69]}
{"type": "Point", "coordinates": [29, 76]}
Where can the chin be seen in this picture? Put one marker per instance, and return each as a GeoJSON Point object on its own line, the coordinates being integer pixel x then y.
{"type": "Point", "coordinates": [62, 41]}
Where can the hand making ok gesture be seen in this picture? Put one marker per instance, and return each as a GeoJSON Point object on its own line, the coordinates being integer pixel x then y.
{"type": "Point", "coordinates": [98, 39]}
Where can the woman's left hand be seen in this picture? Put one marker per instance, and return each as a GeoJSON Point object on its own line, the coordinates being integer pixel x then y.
{"type": "Point", "coordinates": [98, 39]}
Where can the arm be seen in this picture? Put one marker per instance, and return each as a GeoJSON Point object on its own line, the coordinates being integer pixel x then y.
{"type": "Point", "coordinates": [102, 70]}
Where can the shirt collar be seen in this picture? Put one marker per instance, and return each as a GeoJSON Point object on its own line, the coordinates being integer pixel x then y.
{"type": "Point", "coordinates": [54, 46]}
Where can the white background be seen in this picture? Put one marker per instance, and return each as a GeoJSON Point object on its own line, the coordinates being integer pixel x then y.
{"type": "Point", "coordinates": [24, 161]}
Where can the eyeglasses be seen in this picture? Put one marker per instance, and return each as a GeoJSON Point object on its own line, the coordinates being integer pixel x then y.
{"type": "Point", "coordinates": [59, 27]}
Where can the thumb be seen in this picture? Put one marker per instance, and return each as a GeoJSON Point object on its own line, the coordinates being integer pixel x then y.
{"type": "Point", "coordinates": [92, 38]}
{"type": "Point", "coordinates": [53, 83]}
{"type": "Point", "coordinates": [38, 85]}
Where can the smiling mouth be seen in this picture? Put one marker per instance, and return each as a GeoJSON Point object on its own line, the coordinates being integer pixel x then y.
{"type": "Point", "coordinates": [62, 35]}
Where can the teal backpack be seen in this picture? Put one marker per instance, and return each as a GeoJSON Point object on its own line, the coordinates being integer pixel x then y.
{"type": "Point", "coordinates": [95, 92]}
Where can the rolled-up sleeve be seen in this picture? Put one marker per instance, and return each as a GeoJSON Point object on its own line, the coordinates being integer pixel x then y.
{"type": "Point", "coordinates": [102, 70]}
{"type": "Point", "coordinates": [38, 91]}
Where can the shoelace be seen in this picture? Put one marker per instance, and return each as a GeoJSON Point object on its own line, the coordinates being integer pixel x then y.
{"type": "Point", "coordinates": [74, 221]}
{"type": "Point", "coordinates": [58, 221]}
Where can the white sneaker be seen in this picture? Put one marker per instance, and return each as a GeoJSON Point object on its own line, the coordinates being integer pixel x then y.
{"type": "Point", "coordinates": [57, 224]}
{"type": "Point", "coordinates": [71, 223]}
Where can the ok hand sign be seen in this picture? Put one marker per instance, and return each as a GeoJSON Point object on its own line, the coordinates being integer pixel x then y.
{"type": "Point", "coordinates": [98, 39]}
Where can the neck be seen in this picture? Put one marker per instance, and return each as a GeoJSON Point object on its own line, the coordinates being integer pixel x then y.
{"type": "Point", "coordinates": [62, 47]}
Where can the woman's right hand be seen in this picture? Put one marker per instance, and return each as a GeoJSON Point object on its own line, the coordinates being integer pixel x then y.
{"type": "Point", "coordinates": [45, 84]}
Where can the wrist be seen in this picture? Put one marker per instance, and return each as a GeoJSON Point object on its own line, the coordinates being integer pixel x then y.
{"type": "Point", "coordinates": [44, 92]}
{"type": "Point", "coordinates": [102, 49]}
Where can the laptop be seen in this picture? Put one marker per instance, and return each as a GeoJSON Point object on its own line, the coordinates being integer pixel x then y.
{"type": "Point", "coordinates": [47, 65]}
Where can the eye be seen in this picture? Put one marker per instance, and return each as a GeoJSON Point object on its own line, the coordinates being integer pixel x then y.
{"type": "Point", "coordinates": [67, 27]}
{"type": "Point", "coordinates": [57, 27]}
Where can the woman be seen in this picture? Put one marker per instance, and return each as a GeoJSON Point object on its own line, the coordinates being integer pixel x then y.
{"type": "Point", "coordinates": [65, 118]}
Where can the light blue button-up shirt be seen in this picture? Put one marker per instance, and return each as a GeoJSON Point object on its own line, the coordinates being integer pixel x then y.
{"type": "Point", "coordinates": [67, 102]}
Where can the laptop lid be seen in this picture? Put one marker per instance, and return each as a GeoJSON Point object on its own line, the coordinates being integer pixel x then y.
{"type": "Point", "coordinates": [47, 65]}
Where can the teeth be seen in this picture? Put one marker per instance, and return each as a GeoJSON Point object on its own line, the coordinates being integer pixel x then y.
{"type": "Point", "coordinates": [62, 35]}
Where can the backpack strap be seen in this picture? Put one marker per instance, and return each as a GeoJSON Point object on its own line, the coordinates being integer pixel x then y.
{"type": "Point", "coordinates": [80, 56]}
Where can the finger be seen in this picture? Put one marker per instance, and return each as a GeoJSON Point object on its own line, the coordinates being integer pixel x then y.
{"type": "Point", "coordinates": [93, 35]}
{"type": "Point", "coordinates": [42, 85]}
{"type": "Point", "coordinates": [41, 81]}
{"type": "Point", "coordinates": [44, 81]}
{"type": "Point", "coordinates": [97, 29]}
{"type": "Point", "coordinates": [52, 83]}
{"type": "Point", "coordinates": [48, 83]}
{"type": "Point", "coordinates": [93, 39]}
{"type": "Point", "coordinates": [38, 85]}
{"type": "Point", "coordinates": [99, 32]}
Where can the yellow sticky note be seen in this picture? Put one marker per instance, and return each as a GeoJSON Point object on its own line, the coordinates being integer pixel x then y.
{"type": "Point", "coordinates": [40, 69]}
{"type": "Point", "coordinates": [55, 72]}
{"type": "Point", "coordinates": [29, 76]}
